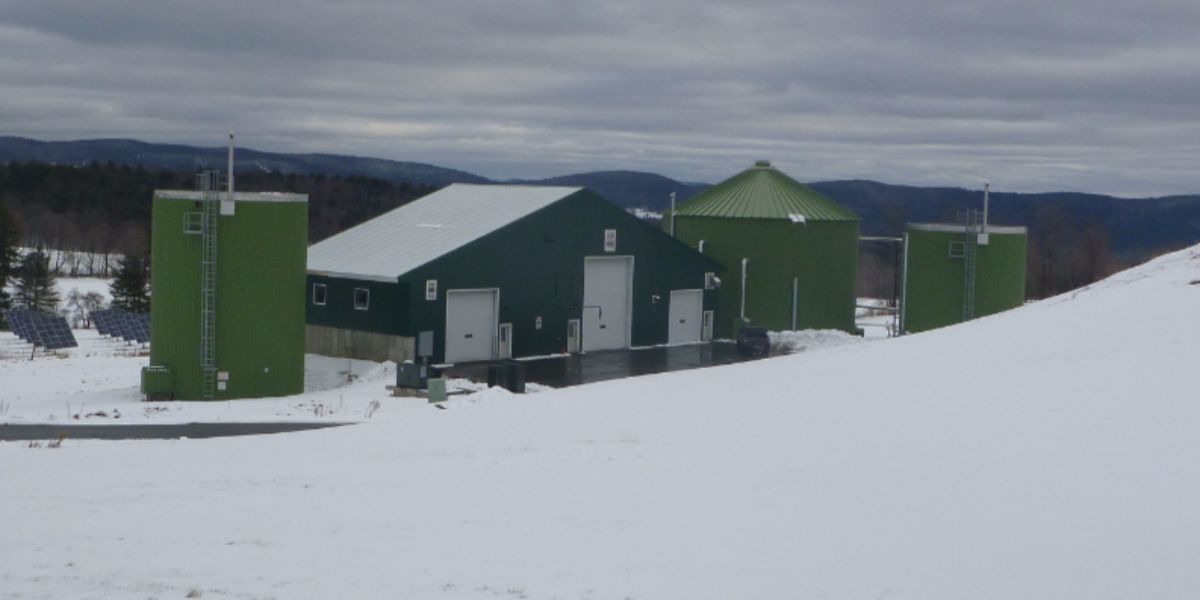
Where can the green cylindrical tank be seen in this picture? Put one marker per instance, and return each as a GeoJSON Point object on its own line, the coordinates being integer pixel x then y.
{"type": "Point", "coordinates": [261, 254]}
{"type": "Point", "coordinates": [800, 251]}
{"type": "Point", "coordinates": [937, 288]}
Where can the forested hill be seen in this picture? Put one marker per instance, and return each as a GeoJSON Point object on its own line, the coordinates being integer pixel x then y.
{"type": "Point", "coordinates": [175, 157]}
{"type": "Point", "coordinates": [1136, 226]}
{"type": "Point", "coordinates": [106, 207]}
{"type": "Point", "coordinates": [348, 189]}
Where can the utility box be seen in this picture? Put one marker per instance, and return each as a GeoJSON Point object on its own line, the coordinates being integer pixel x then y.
{"type": "Point", "coordinates": [253, 284]}
{"type": "Point", "coordinates": [157, 383]}
{"type": "Point", "coordinates": [413, 376]}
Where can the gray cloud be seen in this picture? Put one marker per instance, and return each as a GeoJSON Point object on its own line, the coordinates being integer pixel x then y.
{"type": "Point", "coordinates": [1088, 95]}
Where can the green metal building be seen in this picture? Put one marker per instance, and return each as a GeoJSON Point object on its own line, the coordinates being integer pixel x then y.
{"type": "Point", "coordinates": [791, 254]}
{"type": "Point", "coordinates": [227, 295]}
{"type": "Point", "coordinates": [954, 273]}
{"type": "Point", "coordinates": [483, 272]}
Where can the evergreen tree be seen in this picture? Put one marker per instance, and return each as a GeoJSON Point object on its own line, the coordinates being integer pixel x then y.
{"type": "Point", "coordinates": [35, 283]}
{"type": "Point", "coordinates": [8, 258]}
{"type": "Point", "coordinates": [131, 288]}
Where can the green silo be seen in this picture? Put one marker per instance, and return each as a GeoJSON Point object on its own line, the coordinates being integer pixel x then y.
{"type": "Point", "coordinates": [790, 254]}
{"type": "Point", "coordinates": [245, 339]}
{"type": "Point", "coordinates": [954, 273]}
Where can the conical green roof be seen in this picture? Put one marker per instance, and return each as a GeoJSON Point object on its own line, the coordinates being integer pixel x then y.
{"type": "Point", "coordinates": [762, 192]}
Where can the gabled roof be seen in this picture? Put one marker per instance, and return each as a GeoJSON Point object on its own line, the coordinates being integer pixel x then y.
{"type": "Point", "coordinates": [403, 239]}
{"type": "Point", "coordinates": [762, 192]}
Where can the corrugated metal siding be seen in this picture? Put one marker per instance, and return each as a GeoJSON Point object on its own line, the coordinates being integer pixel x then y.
{"type": "Point", "coordinates": [764, 193]}
{"type": "Point", "coordinates": [260, 298]}
{"type": "Point", "coordinates": [403, 239]}
{"type": "Point", "coordinates": [933, 294]}
{"type": "Point", "coordinates": [823, 255]}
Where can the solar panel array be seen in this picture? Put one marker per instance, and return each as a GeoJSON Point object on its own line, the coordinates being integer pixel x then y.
{"type": "Point", "coordinates": [131, 327]}
{"type": "Point", "coordinates": [41, 329]}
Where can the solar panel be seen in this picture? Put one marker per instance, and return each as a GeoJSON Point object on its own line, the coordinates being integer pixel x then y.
{"type": "Point", "coordinates": [41, 329]}
{"type": "Point", "coordinates": [53, 332]}
{"type": "Point", "coordinates": [103, 320]}
{"type": "Point", "coordinates": [142, 328]}
{"type": "Point", "coordinates": [21, 323]}
{"type": "Point", "coordinates": [131, 327]}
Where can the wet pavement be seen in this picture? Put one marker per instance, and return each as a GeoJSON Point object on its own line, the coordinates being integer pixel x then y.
{"type": "Point", "coordinates": [47, 431]}
{"type": "Point", "coordinates": [577, 369]}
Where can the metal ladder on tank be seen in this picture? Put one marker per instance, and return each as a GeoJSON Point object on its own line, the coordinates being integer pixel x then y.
{"type": "Point", "coordinates": [970, 246]}
{"type": "Point", "coordinates": [209, 183]}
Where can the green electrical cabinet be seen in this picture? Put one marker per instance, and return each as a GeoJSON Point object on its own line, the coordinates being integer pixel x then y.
{"type": "Point", "coordinates": [790, 254]}
{"type": "Point", "coordinates": [952, 273]}
{"type": "Point", "coordinates": [261, 249]}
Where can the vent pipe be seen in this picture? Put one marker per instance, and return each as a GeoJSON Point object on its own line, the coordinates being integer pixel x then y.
{"type": "Point", "coordinates": [672, 214]}
{"type": "Point", "coordinates": [227, 208]}
{"type": "Point", "coordinates": [987, 188]}
{"type": "Point", "coordinates": [230, 167]}
{"type": "Point", "coordinates": [745, 261]}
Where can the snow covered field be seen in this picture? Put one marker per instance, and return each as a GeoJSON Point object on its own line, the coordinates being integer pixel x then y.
{"type": "Point", "coordinates": [1048, 452]}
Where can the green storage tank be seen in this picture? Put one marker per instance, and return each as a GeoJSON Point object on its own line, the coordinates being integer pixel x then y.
{"type": "Point", "coordinates": [954, 273]}
{"type": "Point", "coordinates": [795, 250]}
{"type": "Point", "coordinates": [256, 337]}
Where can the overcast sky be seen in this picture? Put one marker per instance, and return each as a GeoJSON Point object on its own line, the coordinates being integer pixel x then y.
{"type": "Point", "coordinates": [1089, 95]}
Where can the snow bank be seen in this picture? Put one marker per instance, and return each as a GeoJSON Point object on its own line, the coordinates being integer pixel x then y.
{"type": "Point", "coordinates": [791, 342]}
{"type": "Point", "coordinates": [1047, 452]}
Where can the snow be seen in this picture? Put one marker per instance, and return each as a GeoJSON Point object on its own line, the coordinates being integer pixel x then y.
{"type": "Point", "coordinates": [791, 342]}
{"type": "Point", "coordinates": [85, 285]}
{"type": "Point", "coordinates": [1046, 452]}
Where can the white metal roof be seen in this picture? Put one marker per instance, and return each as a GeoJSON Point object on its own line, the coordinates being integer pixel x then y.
{"type": "Point", "coordinates": [403, 239]}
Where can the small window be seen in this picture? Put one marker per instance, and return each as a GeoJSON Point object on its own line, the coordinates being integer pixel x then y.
{"type": "Point", "coordinates": [958, 249]}
{"type": "Point", "coordinates": [318, 294]}
{"type": "Point", "coordinates": [431, 289]}
{"type": "Point", "coordinates": [710, 281]}
{"type": "Point", "coordinates": [610, 240]}
{"type": "Point", "coordinates": [193, 222]}
{"type": "Point", "coordinates": [796, 218]}
{"type": "Point", "coordinates": [362, 298]}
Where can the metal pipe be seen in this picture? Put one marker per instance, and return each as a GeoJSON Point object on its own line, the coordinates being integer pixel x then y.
{"type": "Point", "coordinates": [745, 261]}
{"type": "Point", "coordinates": [672, 214]}
{"type": "Point", "coordinates": [230, 179]}
{"type": "Point", "coordinates": [795, 299]}
{"type": "Point", "coordinates": [987, 188]}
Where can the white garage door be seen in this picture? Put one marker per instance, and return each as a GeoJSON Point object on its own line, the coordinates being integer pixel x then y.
{"type": "Point", "coordinates": [471, 325]}
{"type": "Point", "coordinates": [607, 295]}
{"type": "Point", "coordinates": [686, 316]}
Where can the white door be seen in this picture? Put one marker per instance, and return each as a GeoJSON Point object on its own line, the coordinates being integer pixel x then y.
{"type": "Point", "coordinates": [607, 296]}
{"type": "Point", "coordinates": [471, 325]}
{"type": "Point", "coordinates": [686, 316]}
{"type": "Point", "coordinates": [505, 340]}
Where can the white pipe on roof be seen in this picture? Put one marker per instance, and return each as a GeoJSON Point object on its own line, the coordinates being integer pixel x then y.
{"type": "Point", "coordinates": [745, 261]}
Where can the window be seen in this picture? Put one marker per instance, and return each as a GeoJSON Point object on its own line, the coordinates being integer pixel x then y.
{"type": "Point", "coordinates": [958, 249]}
{"type": "Point", "coordinates": [318, 294]}
{"type": "Point", "coordinates": [193, 222]}
{"type": "Point", "coordinates": [610, 240]}
{"type": "Point", "coordinates": [431, 289]}
{"type": "Point", "coordinates": [796, 218]}
{"type": "Point", "coordinates": [710, 281]}
{"type": "Point", "coordinates": [362, 298]}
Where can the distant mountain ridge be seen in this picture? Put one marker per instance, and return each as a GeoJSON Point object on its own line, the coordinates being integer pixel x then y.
{"type": "Point", "coordinates": [1136, 225]}
{"type": "Point", "coordinates": [177, 157]}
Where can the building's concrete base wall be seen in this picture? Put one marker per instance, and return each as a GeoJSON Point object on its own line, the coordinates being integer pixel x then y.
{"type": "Point", "coordinates": [365, 345]}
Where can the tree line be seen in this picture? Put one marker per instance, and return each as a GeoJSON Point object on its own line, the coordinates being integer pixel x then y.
{"type": "Point", "coordinates": [94, 220]}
